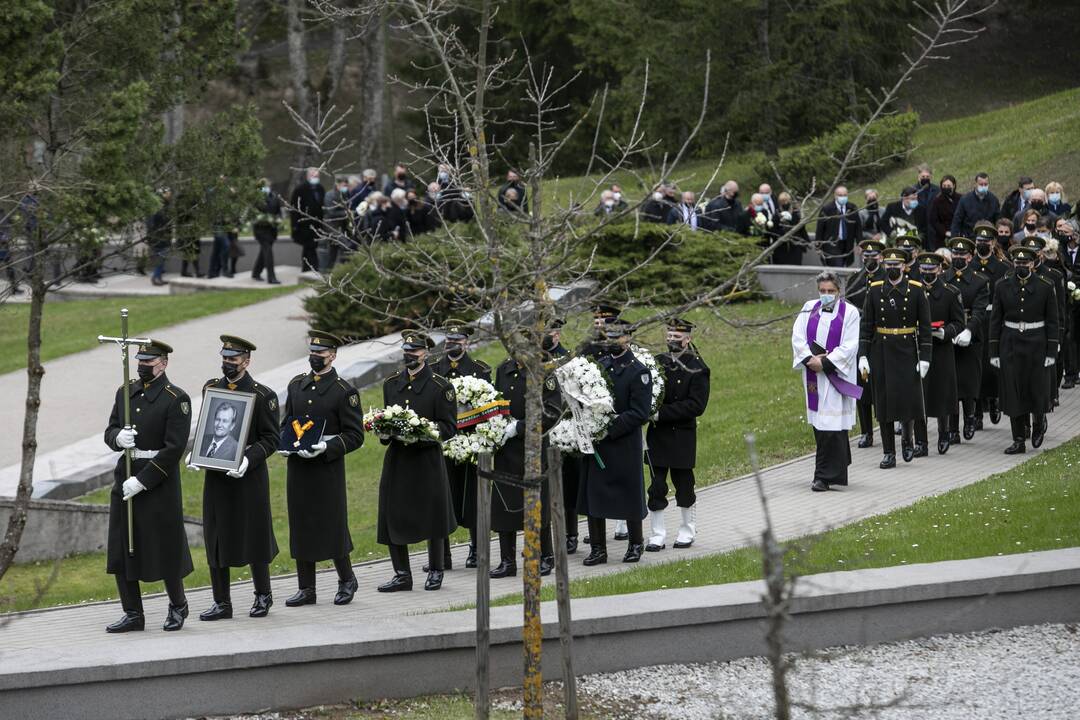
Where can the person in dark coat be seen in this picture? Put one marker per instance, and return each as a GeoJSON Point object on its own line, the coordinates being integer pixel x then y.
{"type": "Point", "coordinates": [414, 492]}
{"type": "Point", "coordinates": [1069, 250]}
{"type": "Point", "coordinates": [306, 215]}
{"type": "Point", "coordinates": [946, 323]}
{"type": "Point", "coordinates": [456, 363]}
{"type": "Point", "coordinates": [159, 229]}
{"type": "Point", "coordinates": [659, 204]}
{"type": "Point", "coordinates": [513, 182]}
{"type": "Point", "coordinates": [571, 464]}
{"type": "Point", "coordinates": [990, 261]}
{"type": "Point", "coordinates": [791, 251]}
{"type": "Point", "coordinates": [265, 228]}
{"type": "Point", "coordinates": [895, 346]}
{"type": "Point", "coordinates": [1017, 200]}
{"type": "Point", "coordinates": [928, 191]}
{"type": "Point", "coordinates": [508, 499]}
{"type": "Point", "coordinates": [671, 440]}
{"type": "Point", "coordinates": [940, 214]}
{"type": "Point", "coordinates": [1023, 344]}
{"type": "Point", "coordinates": [979, 204]}
{"type": "Point", "coordinates": [1055, 200]}
{"type": "Point", "coordinates": [1049, 268]}
{"type": "Point", "coordinates": [613, 485]}
{"type": "Point", "coordinates": [315, 479]}
{"type": "Point", "coordinates": [400, 181]}
{"type": "Point", "coordinates": [855, 293]}
{"type": "Point", "coordinates": [974, 290]}
{"type": "Point", "coordinates": [838, 229]}
{"type": "Point", "coordinates": [160, 424]}
{"type": "Point", "coordinates": [725, 212]}
{"type": "Point", "coordinates": [872, 218]}
{"type": "Point", "coordinates": [907, 214]}
{"type": "Point", "coordinates": [238, 527]}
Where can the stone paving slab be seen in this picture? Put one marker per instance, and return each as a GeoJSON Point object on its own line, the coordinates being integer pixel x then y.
{"type": "Point", "coordinates": [729, 516]}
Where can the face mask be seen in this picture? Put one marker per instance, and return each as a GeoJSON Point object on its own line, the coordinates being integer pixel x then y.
{"type": "Point", "coordinates": [412, 362]}
{"type": "Point", "coordinates": [1004, 239]}
{"type": "Point", "coordinates": [1037, 203]}
{"type": "Point", "coordinates": [913, 204]}
{"type": "Point", "coordinates": [229, 370]}
{"type": "Point", "coordinates": [609, 204]}
{"type": "Point", "coordinates": [759, 208]}
{"type": "Point", "coordinates": [959, 263]}
{"type": "Point", "coordinates": [894, 273]}
{"type": "Point", "coordinates": [871, 264]}
{"type": "Point", "coordinates": [657, 196]}
{"type": "Point", "coordinates": [401, 176]}
{"type": "Point", "coordinates": [929, 276]}
{"type": "Point", "coordinates": [455, 350]}
{"type": "Point", "coordinates": [317, 362]}
{"type": "Point", "coordinates": [841, 201]}
{"type": "Point", "coordinates": [444, 177]}
{"type": "Point", "coordinates": [982, 189]}
{"type": "Point", "coordinates": [870, 204]}
{"type": "Point", "coordinates": [827, 299]}
{"type": "Point", "coordinates": [924, 181]}
{"type": "Point", "coordinates": [1055, 198]}
{"type": "Point", "coordinates": [313, 181]}
{"type": "Point", "coordinates": [947, 190]}
{"type": "Point", "coordinates": [266, 190]}
{"type": "Point", "coordinates": [675, 346]}
{"type": "Point", "coordinates": [618, 196]}
{"type": "Point", "coordinates": [1027, 194]}
{"type": "Point", "coordinates": [547, 344]}
{"type": "Point", "coordinates": [1030, 227]}
{"type": "Point", "coordinates": [1023, 272]}
{"type": "Point", "coordinates": [146, 373]}
{"type": "Point", "coordinates": [983, 249]}
{"type": "Point", "coordinates": [766, 196]}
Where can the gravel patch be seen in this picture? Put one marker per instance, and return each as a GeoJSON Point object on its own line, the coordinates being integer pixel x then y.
{"type": "Point", "coordinates": [1027, 672]}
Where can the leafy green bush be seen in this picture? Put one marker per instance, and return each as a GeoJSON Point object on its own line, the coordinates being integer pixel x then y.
{"type": "Point", "coordinates": [887, 143]}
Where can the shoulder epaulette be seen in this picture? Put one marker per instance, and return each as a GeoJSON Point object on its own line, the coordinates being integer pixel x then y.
{"type": "Point", "coordinates": [483, 364]}
{"type": "Point", "coordinates": [392, 377]}
{"type": "Point", "coordinates": [169, 389]}
{"type": "Point", "coordinates": [263, 390]}
{"type": "Point", "coordinates": [916, 283]}
{"type": "Point", "coordinates": [876, 283]}
{"type": "Point", "coordinates": [345, 385]}
{"type": "Point", "coordinates": [1045, 281]}
{"type": "Point", "coordinates": [298, 378]}
{"type": "Point", "coordinates": [440, 379]}
{"type": "Point", "coordinates": [209, 382]}
{"type": "Point", "coordinates": [953, 288]}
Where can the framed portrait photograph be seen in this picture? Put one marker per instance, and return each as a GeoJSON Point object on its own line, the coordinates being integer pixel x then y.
{"type": "Point", "coordinates": [222, 429]}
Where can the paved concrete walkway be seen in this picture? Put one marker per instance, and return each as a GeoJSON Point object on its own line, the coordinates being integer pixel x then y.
{"type": "Point", "coordinates": [729, 516]}
{"type": "Point", "coordinates": [77, 389]}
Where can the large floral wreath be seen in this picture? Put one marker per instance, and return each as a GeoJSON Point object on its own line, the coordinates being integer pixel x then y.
{"type": "Point", "coordinates": [586, 391]}
{"type": "Point", "coordinates": [400, 422]}
{"type": "Point", "coordinates": [645, 358]}
{"type": "Point", "coordinates": [481, 407]}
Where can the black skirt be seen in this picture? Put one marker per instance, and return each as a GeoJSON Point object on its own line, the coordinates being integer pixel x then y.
{"type": "Point", "coordinates": [833, 456]}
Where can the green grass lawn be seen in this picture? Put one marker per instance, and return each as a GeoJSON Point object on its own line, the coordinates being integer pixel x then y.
{"type": "Point", "coordinates": [73, 325]}
{"type": "Point", "coordinates": [1034, 506]}
{"type": "Point", "coordinates": [754, 389]}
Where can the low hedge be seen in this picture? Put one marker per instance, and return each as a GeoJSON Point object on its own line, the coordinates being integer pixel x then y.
{"type": "Point", "coordinates": [886, 144]}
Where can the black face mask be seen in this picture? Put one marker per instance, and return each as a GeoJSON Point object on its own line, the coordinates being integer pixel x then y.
{"type": "Point", "coordinates": [924, 181]}
{"type": "Point", "coordinates": [146, 373]}
{"type": "Point", "coordinates": [1023, 272]}
{"type": "Point", "coordinates": [871, 205]}
{"type": "Point", "coordinates": [230, 370]}
{"type": "Point", "coordinates": [1030, 227]}
{"type": "Point", "coordinates": [413, 362]}
{"type": "Point", "coordinates": [983, 249]}
{"type": "Point", "coordinates": [547, 344]}
{"type": "Point", "coordinates": [1037, 203]}
{"type": "Point", "coordinates": [871, 264]}
{"type": "Point", "coordinates": [894, 273]}
{"type": "Point", "coordinates": [454, 350]}
{"type": "Point", "coordinates": [675, 346]}
{"type": "Point", "coordinates": [929, 277]}
{"type": "Point", "coordinates": [947, 190]}
{"type": "Point", "coordinates": [959, 263]}
{"type": "Point", "coordinates": [317, 362]}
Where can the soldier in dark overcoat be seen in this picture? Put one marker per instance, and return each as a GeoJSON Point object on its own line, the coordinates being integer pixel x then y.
{"type": "Point", "coordinates": [671, 440]}
{"type": "Point", "coordinates": [1057, 278]}
{"type": "Point", "coordinates": [508, 498]}
{"type": "Point", "coordinates": [989, 261]}
{"type": "Point", "coordinates": [160, 424]}
{"type": "Point", "coordinates": [946, 323]}
{"type": "Point", "coordinates": [315, 479]}
{"type": "Point", "coordinates": [855, 293]}
{"type": "Point", "coordinates": [571, 464]}
{"type": "Point", "coordinates": [895, 349]}
{"type": "Point", "coordinates": [1023, 344]}
{"type": "Point", "coordinates": [414, 493]}
{"type": "Point", "coordinates": [456, 363]}
{"type": "Point", "coordinates": [974, 290]}
{"type": "Point", "coordinates": [613, 485]}
{"type": "Point", "coordinates": [238, 528]}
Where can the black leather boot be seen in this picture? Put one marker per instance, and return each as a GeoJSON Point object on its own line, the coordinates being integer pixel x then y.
{"type": "Point", "coordinates": [261, 607]}
{"type": "Point", "coordinates": [217, 611]}
{"type": "Point", "coordinates": [131, 621]}
{"type": "Point", "coordinates": [969, 427]}
{"type": "Point", "coordinates": [174, 620]}
{"type": "Point", "coordinates": [633, 552]}
{"type": "Point", "coordinates": [547, 564]}
{"type": "Point", "coordinates": [345, 591]}
{"type": "Point", "coordinates": [888, 461]}
{"type": "Point", "coordinates": [571, 544]}
{"type": "Point", "coordinates": [303, 596]}
{"type": "Point", "coordinates": [943, 443]}
{"type": "Point", "coordinates": [434, 580]}
{"type": "Point", "coordinates": [866, 440]}
{"type": "Point", "coordinates": [598, 556]}
{"type": "Point", "coordinates": [400, 582]}
{"type": "Point", "coordinates": [1016, 448]}
{"type": "Point", "coordinates": [1038, 432]}
{"type": "Point", "coordinates": [505, 568]}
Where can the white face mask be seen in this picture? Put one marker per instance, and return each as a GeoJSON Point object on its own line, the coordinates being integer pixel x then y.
{"type": "Point", "coordinates": [313, 180]}
{"type": "Point", "coordinates": [618, 196]}
{"type": "Point", "coordinates": [657, 196]}
{"type": "Point", "coordinates": [827, 299]}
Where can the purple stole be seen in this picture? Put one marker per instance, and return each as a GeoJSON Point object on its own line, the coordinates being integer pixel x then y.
{"type": "Point", "coordinates": [836, 329]}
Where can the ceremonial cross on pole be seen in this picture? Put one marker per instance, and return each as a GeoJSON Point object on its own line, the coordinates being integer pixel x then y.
{"type": "Point", "coordinates": [125, 342]}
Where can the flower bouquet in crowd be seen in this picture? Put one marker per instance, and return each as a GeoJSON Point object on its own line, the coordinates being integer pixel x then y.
{"type": "Point", "coordinates": [482, 408]}
{"type": "Point", "coordinates": [1074, 291]}
{"type": "Point", "coordinates": [586, 390]}
{"type": "Point", "coordinates": [761, 224]}
{"type": "Point", "coordinates": [401, 423]}
{"type": "Point", "coordinates": [646, 358]}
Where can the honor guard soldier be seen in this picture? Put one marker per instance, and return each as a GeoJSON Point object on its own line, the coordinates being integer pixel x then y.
{"type": "Point", "coordinates": [671, 440]}
{"type": "Point", "coordinates": [237, 524]}
{"type": "Point", "coordinates": [946, 324]}
{"type": "Point", "coordinates": [601, 312]}
{"type": "Point", "coordinates": [612, 485]}
{"type": "Point", "coordinates": [414, 493]}
{"type": "Point", "coordinates": [990, 262]}
{"type": "Point", "coordinates": [571, 468]}
{"type": "Point", "coordinates": [454, 364]}
{"type": "Point", "coordinates": [315, 485]}
{"type": "Point", "coordinates": [508, 498]}
{"type": "Point", "coordinates": [974, 290]}
{"type": "Point", "coordinates": [160, 424]}
{"type": "Point", "coordinates": [895, 349]}
{"type": "Point", "coordinates": [911, 244]}
{"type": "Point", "coordinates": [1057, 278]}
{"type": "Point", "coordinates": [855, 293]}
{"type": "Point", "coordinates": [1023, 345]}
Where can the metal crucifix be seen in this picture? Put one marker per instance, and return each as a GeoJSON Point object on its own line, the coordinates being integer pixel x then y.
{"type": "Point", "coordinates": [125, 342]}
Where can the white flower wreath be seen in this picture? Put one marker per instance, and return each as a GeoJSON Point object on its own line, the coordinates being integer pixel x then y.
{"type": "Point", "coordinates": [476, 393]}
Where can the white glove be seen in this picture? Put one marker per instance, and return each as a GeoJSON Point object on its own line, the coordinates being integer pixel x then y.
{"type": "Point", "coordinates": [963, 339]}
{"type": "Point", "coordinates": [1049, 361]}
{"type": "Point", "coordinates": [187, 461]}
{"type": "Point", "coordinates": [316, 450]}
{"type": "Point", "coordinates": [510, 431]}
{"type": "Point", "coordinates": [284, 453]}
{"type": "Point", "coordinates": [995, 362]}
{"type": "Point", "coordinates": [126, 438]}
{"type": "Point", "coordinates": [132, 487]}
{"type": "Point", "coordinates": [923, 367]}
{"type": "Point", "coordinates": [383, 436]}
{"type": "Point", "coordinates": [239, 472]}
{"type": "Point", "coordinates": [939, 333]}
{"type": "Point", "coordinates": [864, 366]}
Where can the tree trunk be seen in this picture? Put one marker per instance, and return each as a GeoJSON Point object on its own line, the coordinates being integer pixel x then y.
{"type": "Point", "coordinates": [532, 632]}
{"type": "Point", "coordinates": [769, 142]}
{"type": "Point", "coordinates": [34, 373]}
{"type": "Point", "coordinates": [562, 582]}
{"type": "Point", "coordinates": [369, 145]}
{"type": "Point", "coordinates": [335, 64]}
{"type": "Point", "coordinates": [301, 79]}
{"type": "Point", "coordinates": [483, 588]}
